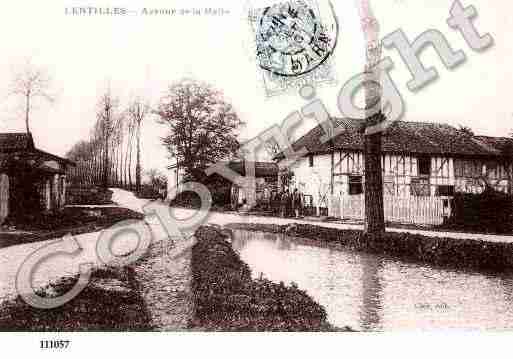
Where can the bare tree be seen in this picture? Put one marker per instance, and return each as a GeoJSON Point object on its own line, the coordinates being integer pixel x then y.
{"type": "Point", "coordinates": [31, 83]}
{"type": "Point", "coordinates": [138, 109]}
{"type": "Point", "coordinates": [117, 146]}
{"type": "Point", "coordinates": [105, 128]}
{"type": "Point", "coordinates": [131, 133]}
{"type": "Point", "coordinates": [156, 179]}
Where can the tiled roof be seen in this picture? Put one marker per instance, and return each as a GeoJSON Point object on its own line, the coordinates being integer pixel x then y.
{"type": "Point", "coordinates": [51, 156]}
{"type": "Point", "coordinates": [10, 142]}
{"type": "Point", "coordinates": [23, 142]}
{"type": "Point", "coordinates": [503, 144]}
{"type": "Point", "coordinates": [262, 169]}
{"type": "Point", "coordinates": [403, 137]}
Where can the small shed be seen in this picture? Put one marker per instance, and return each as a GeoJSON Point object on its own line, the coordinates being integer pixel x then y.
{"type": "Point", "coordinates": [226, 193]}
{"type": "Point", "coordinates": [31, 180]}
{"type": "Point", "coordinates": [266, 182]}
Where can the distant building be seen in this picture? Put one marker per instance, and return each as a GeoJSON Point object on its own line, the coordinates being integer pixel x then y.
{"type": "Point", "coordinates": [174, 178]}
{"type": "Point", "coordinates": [31, 180]}
{"type": "Point", "coordinates": [224, 192]}
{"type": "Point", "coordinates": [266, 181]}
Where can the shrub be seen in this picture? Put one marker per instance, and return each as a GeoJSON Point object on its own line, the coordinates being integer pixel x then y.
{"type": "Point", "coordinates": [111, 302]}
{"type": "Point", "coordinates": [490, 211]}
{"type": "Point", "coordinates": [71, 217]}
{"type": "Point", "coordinates": [226, 297]}
{"type": "Point", "coordinates": [149, 192]}
{"type": "Point", "coordinates": [187, 200]}
{"type": "Point", "coordinates": [88, 195]}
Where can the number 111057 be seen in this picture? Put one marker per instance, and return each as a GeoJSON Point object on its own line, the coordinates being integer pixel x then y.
{"type": "Point", "coordinates": [54, 344]}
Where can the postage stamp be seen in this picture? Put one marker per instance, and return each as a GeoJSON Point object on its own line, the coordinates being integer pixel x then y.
{"type": "Point", "coordinates": [294, 43]}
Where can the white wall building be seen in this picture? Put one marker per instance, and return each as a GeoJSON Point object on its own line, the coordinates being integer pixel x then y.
{"type": "Point", "coordinates": [419, 160]}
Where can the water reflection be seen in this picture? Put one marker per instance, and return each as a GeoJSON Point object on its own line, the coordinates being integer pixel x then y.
{"type": "Point", "coordinates": [369, 292]}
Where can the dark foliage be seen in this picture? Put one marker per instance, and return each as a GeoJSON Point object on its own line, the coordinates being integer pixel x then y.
{"type": "Point", "coordinates": [97, 308]}
{"type": "Point", "coordinates": [187, 200]}
{"type": "Point", "coordinates": [89, 195]}
{"type": "Point", "coordinates": [73, 217]}
{"type": "Point", "coordinates": [148, 192]}
{"type": "Point", "coordinates": [488, 212]}
{"type": "Point", "coordinates": [42, 226]}
{"type": "Point", "coordinates": [227, 299]}
{"type": "Point", "coordinates": [203, 126]}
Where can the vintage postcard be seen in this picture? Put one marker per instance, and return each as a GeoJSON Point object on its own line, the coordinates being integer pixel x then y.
{"type": "Point", "coordinates": [330, 166]}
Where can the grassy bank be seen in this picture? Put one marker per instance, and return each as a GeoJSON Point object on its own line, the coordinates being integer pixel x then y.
{"type": "Point", "coordinates": [439, 251]}
{"type": "Point", "coordinates": [109, 303]}
{"type": "Point", "coordinates": [73, 220]}
{"type": "Point", "coordinates": [226, 298]}
{"type": "Point", "coordinates": [88, 195]}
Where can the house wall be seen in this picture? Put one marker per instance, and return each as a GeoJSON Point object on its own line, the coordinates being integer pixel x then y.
{"type": "Point", "coordinates": [400, 174]}
{"type": "Point", "coordinates": [54, 194]}
{"type": "Point", "coordinates": [174, 178]}
{"type": "Point", "coordinates": [313, 181]}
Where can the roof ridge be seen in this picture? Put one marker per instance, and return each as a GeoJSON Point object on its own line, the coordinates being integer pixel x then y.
{"type": "Point", "coordinates": [407, 122]}
{"type": "Point", "coordinates": [483, 144]}
{"type": "Point", "coordinates": [412, 136]}
{"type": "Point", "coordinates": [331, 118]}
{"type": "Point", "coordinates": [501, 137]}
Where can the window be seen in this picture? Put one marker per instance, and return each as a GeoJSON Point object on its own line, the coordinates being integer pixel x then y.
{"type": "Point", "coordinates": [389, 188]}
{"type": "Point", "coordinates": [468, 168]}
{"type": "Point", "coordinates": [310, 161]}
{"type": "Point", "coordinates": [420, 187]}
{"type": "Point", "coordinates": [355, 185]}
{"type": "Point", "coordinates": [445, 191]}
{"type": "Point", "coordinates": [492, 169]}
{"type": "Point", "coordinates": [424, 166]}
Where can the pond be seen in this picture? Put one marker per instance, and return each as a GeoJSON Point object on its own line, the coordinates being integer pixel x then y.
{"type": "Point", "coordinates": [371, 292]}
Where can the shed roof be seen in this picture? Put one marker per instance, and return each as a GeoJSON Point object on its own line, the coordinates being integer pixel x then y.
{"type": "Point", "coordinates": [10, 142]}
{"type": "Point", "coordinates": [262, 169]}
{"type": "Point", "coordinates": [23, 144]}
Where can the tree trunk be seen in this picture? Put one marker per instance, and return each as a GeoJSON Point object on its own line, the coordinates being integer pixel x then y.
{"type": "Point", "coordinates": [27, 111]}
{"type": "Point", "coordinates": [374, 212]}
{"type": "Point", "coordinates": [125, 174]}
{"type": "Point", "coordinates": [130, 184]}
{"type": "Point", "coordinates": [138, 165]}
{"type": "Point", "coordinates": [509, 171]}
{"type": "Point", "coordinates": [106, 165]}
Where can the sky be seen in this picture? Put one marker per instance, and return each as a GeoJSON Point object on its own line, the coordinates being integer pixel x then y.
{"type": "Point", "coordinates": [143, 54]}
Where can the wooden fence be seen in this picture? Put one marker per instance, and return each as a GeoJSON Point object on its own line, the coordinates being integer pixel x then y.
{"type": "Point", "coordinates": [412, 210]}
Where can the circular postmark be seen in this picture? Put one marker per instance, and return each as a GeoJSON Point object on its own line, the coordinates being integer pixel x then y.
{"type": "Point", "coordinates": [293, 39]}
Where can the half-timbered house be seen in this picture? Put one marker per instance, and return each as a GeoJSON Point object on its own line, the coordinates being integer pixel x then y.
{"type": "Point", "coordinates": [420, 161]}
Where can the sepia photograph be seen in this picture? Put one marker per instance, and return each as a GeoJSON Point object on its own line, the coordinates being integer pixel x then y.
{"type": "Point", "coordinates": [324, 173]}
